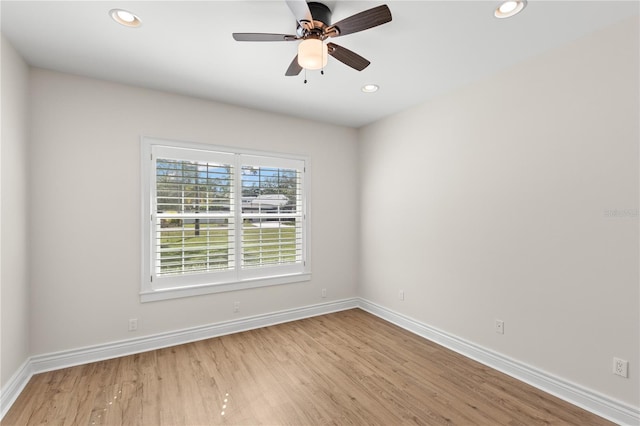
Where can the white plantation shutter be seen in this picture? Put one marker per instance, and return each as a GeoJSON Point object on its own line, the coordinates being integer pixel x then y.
{"type": "Point", "coordinates": [194, 215]}
{"type": "Point", "coordinates": [272, 212]}
{"type": "Point", "coordinates": [222, 219]}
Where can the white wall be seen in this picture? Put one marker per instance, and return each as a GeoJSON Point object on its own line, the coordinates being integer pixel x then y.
{"type": "Point", "coordinates": [86, 207]}
{"type": "Point", "coordinates": [493, 202]}
{"type": "Point", "coordinates": [14, 282]}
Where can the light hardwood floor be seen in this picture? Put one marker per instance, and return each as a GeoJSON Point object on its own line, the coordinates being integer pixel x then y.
{"type": "Point", "coordinates": [345, 368]}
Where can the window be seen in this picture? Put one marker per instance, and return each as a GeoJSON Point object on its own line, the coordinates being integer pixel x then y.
{"type": "Point", "coordinates": [217, 219]}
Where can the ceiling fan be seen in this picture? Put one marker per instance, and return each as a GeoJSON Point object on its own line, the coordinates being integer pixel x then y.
{"type": "Point", "coordinates": [314, 27]}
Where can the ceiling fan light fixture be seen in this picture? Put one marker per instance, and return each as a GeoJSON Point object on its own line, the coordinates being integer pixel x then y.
{"type": "Point", "coordinates": [509, 8]}
{"type": "Point", "coordinates": [124, 17]}
{"type": "Point", "coordinates": [312, 54]}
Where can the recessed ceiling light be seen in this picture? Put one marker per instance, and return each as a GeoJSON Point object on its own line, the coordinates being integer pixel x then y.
{"type": "Point", "coordinates": [509, 8]}
{"type": "Point", "coordinates": [370, 88]}
{"type": "Point", "coordinates": [124, 17]}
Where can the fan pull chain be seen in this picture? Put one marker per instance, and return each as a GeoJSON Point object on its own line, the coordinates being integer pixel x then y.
{"type": "Point", "coordinates": [322, 50]}
{"type": "Point", "coordinates": [305, 76]}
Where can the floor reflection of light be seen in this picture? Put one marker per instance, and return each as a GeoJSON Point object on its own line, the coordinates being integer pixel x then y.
{"type": "Point", "coordinates": [224, 405]}
{"type": "Point", "coordinates": [105, 409]}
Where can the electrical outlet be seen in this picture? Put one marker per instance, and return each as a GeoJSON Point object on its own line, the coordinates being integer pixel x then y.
{"type": "Point", "coordinates": [401, 295]}
{"type": "Point", "coordinates": [236, 306]}
{"type": "Point", "coordinates": [499, 326]}
{"type": "Point", "coordinates": [620, 367]}
{"type": "Point", "coordinates": [324, 292]}
{"type": "Point", "coordinates": [133, 324]}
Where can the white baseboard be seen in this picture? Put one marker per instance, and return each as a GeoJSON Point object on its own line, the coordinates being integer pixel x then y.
{"type": "Point", "coordinates": [55, 361]}
{"type": "Point", "coordinates": [14, 386]}
{"type": "Point", "coordinates": [594, 402]}
{"type": "Point", "coordinates": [58, 360]}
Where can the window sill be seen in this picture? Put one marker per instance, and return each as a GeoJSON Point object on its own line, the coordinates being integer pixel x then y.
{"type": "Point", "coordinates": [175, 293]}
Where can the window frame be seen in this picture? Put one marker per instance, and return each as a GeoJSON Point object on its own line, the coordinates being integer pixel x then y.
{"type": "Point", "coordinates": [238, 278]}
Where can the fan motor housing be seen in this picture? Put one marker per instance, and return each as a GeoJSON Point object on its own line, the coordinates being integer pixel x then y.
{"type": "Point", "coordinates": [321, 14]}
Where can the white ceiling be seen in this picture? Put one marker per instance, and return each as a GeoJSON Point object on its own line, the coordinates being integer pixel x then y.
{"type": "Point", "coordinates": [429, 48]}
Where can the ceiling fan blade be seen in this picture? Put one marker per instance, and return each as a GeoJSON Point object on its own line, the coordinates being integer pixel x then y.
{"type": "Point", "coordinates": [347, 57]}
{"type": "Point", "coordinates": [362, 21]}
{"type": "Point", "coordinates": [294, 68]}
{"type": "Point", "coordinates": [263, 37]}
{"type": "Point", "coordinates": [301, 11]}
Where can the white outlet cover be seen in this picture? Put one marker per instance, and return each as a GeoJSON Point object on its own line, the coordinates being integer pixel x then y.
{"type": "Point", "coordinates": [620, 367]}
{"type": "Point", "coordinates": [133, 324]}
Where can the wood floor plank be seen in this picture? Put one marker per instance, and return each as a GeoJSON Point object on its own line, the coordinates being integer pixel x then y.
{"type": "Point", "coordinates": [346, 368]}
